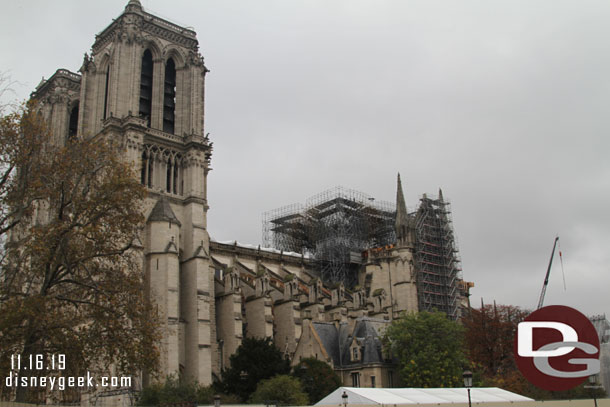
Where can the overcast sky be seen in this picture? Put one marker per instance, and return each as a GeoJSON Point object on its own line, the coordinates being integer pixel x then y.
{"type": "Point", "coordinates": [504, 105]}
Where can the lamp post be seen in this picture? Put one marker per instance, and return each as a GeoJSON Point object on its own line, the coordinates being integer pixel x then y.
{"type": "Point", "coordinates": [468, 384]}
{"type": "Point", "coordinates": [344, 398]}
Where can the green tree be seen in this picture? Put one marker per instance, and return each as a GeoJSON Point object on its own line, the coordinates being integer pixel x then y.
{"type": "Point", "coordinates": [254, 360]}
{"type": "Point", "coordinates": [174, 391]}
{"type": "Point", "coordinates": [171, 391]}
{"type": "Point", "coordinates": [281, 390]}
{"type": "Point", "coordinates": [429, 349]}
{"type": "Point", "coordinates": [318, 378]}
{"type": "Point", "coordinates": [71, 280]}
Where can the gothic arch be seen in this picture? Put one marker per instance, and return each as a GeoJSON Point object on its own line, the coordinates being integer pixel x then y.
{"type": "Point", "coordinates": [162, 169]}
{"type": "Point", "coordinates": [104, 75]}
{"type": "Point", "coordinates": [74, 103]}
{"type": "Point", "coordinates": [174, 53]}
{"type": "Point", "coordinates": [153, 46]}
{"type": "Point", "coordinates": [102, 61]}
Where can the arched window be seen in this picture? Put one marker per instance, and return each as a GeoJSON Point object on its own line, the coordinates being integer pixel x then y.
{"type": "Point", "coordinates": [73, 122]}
{"type": "Point", "coordinates": [146, 81]}
{"type": "Point", "coordinates": [149, 181]}
{"type": "Point", "coordinates": [144, 170]}
{"type": "Point", "coordinates": [170, 168]}
{"type": "Point", "coordinates": [106, 92]}
{"type": "Point", "coordinates": [175, 181]}
{"type": "Point", "coordinates": [169, 96]}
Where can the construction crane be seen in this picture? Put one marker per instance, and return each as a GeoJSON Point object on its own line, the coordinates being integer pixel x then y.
{"type": "Point", "coordinates": [548, 272]}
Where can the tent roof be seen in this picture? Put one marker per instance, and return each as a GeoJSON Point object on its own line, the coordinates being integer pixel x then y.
{"type": "Point", "coordinates": [368, 396]}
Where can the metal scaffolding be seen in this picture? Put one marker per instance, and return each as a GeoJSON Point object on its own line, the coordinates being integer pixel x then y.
{"type": "Point", "coordinates": [334, 227]}
{"type": "Point", "coordinates": [436, 254]}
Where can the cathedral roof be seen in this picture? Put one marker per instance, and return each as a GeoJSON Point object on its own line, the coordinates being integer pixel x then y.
{"type": "Point", "coordinates": [162, 212]}
{"type": "Point", "coordinates": [329, 338]}
{"type": "Point", "coordinates": [336, 341]}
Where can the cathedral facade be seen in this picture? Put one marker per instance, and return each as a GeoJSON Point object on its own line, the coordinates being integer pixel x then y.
{"type": "Point", "coordinates": [143, 85]}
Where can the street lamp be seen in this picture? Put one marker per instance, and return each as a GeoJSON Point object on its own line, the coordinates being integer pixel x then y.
{"type": "Point", "coordinates": [468, 384]}
{"type": "Point", "coordinates": [344, 398]}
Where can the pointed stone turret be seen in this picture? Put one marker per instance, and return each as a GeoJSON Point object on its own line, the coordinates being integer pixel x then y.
{"type": "Point", "coordinates": [440, 195]}
{"type": "Point", "coordinates": [163, 275]}
{"type": "Point", "coordinates": [162, 212]}
{"type": "Point", "coordinates": [402, 218]}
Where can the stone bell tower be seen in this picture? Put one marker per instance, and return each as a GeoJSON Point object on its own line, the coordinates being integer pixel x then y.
{"type": "Point", "coordinates": [143, 86]}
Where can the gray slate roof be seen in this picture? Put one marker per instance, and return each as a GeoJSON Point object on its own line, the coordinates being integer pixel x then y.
{"type": "Point", "coordinates": [162, 212]}
{"type": "Point", "coordinates": [337, 341]}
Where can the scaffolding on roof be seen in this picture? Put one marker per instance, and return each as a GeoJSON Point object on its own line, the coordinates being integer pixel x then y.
{"type": "Point", "coordinates": [437, 258]}
{"type": "Point", "coordinates": [334, 227]}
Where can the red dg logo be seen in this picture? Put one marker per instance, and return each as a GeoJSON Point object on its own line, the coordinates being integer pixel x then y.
{"type": "Point", "coordinates": [556, 348]}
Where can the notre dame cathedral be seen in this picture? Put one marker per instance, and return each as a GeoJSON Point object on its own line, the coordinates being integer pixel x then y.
{"type": "Point", "coordinates": [143, 84]}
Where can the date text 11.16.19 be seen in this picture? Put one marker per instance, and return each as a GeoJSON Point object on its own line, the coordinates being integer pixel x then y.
{"type": "Point", "coordinates": [38, 362]}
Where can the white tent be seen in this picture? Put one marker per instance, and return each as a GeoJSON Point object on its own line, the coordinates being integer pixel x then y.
{"type": "Point", "coordinates": [359, 396]}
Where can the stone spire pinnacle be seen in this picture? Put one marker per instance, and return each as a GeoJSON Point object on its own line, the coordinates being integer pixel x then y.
{"type": "Point", "coordinates": [402, 218]}
{"type": "Point", "coordinates": [133, 5]}
{"type": "Point", "coordinates": [440, 195]}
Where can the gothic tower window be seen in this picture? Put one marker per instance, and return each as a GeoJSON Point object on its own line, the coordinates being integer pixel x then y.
{"type": "Point", "coordinates": [73, 122]}
{"type": "Point", "coordinates": [146, 80]}
{"type": "Point", "coordinates": [175, 181]}
{"type": "Point", "coordinates": [144, 170]}
{"type": "Point", "coordinates": [169, 96]}
{"type": "Point", "coordinates": [170, 168]}
{"type": "Point", "coordinates": [150, 171]}
{"type": "Point", "coordinates": [106, 92]}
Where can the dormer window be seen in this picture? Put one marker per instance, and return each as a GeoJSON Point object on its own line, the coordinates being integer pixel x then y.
{"type": "Point", "coordinates": [355, 354]}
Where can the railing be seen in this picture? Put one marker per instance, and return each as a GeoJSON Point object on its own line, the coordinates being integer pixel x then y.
{"type": "Point", "coordinates": [170, 26]}
{"type": "Point", "coordinates": [69, 74]}
{"type": "Point", "coordinates": [164, 135]}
